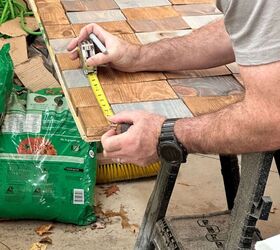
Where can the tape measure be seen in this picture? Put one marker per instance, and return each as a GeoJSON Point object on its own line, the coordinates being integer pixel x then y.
{"type": "Point", "coordinates": [100, 95]}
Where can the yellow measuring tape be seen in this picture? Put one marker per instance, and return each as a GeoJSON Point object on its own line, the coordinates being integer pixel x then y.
{"type": "Point", "coordinates": [100, 95]}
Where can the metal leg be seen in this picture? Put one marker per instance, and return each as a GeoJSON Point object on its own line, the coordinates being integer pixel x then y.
{"type": "Point", "coordinates": [277, 160]}
{"type": "Point", "coordinates": [231, 176]}
{"type": "Point", "coordinates": [157, 204]}
{"type": "Point", "coordinates": [250, 205]}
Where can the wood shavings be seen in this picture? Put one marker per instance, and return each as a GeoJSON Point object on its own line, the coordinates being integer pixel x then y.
{"type": "Point", "coordinates": [44, 229]}
{"type": "Point", "coordinates": [38, 246]}
{"type": "Point", "coordinates": [46, 240]}
{"type": "Point", "coordinates": [111, 190]}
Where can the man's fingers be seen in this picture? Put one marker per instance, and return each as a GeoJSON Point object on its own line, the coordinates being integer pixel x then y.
{"type": "Point", "coordinates": [98, 59]}
{"type": "Point", "coordinates": [111, 141]}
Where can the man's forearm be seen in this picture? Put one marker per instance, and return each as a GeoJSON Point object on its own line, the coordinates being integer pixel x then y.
{"type": "Point", "coordinates": [251, 125]}
{"type": "Point", "coordinates": [206, 47]}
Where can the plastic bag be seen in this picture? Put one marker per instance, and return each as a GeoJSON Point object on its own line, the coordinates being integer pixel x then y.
{"type": "Point", "coordinates": [47, 171]}
{"type": "Point", "coordinates": [6, 79]}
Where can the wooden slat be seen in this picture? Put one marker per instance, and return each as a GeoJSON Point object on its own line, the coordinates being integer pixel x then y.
{"type": "Point", "coordinates": [174, 108]}
{"type": "Point", "coordinates": [191, 1]}
{"type": "Point", "coordinates": [206, 104]}
{"type": "Point", "coordinates": [150, 13]}
{"type": "Point", "coordinates": [207, 86]}
{"type": "Point", "coordinates": [137, 92]}
{"type": "Point", "coordinates": [52, 13]}
{"type": "Point", "coordinates": [196, 9]}
{"type": "Point", "coordinates": [75, 78]}
{"type": "Point", "coordinates": [112, 27]}
{"type": "Point", "coordinates": [64, 62]}
{"type": "Point", "coordinates": [84, 5]}
{"type": "Point", "coordinates": [217, 71]}
{"type": "Point", "coordinates": [59, 31]}
{"type": "Point", "coordinates": [132, 38]}
{"type": "Point", "coordinates": [168, 23]}
{"type": "Point", "coordinates": [107, 75]}
{"type": "Point", "coordinates": [93, 120]}
{"type": "Point", "coordinates": [196, 22]}
{"type": "Point", "coordinates": [82, 97]}
{"type": "Point", "coordinates": [124, 4]}
{"type": "Point", "coordinates": [60, 45]}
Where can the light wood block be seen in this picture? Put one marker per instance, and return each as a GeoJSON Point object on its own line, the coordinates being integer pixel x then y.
{"type": "Point", "coordinates": [64, 62]}
{"type": "Point", "coordinates": [200, 105]}
{"type": "Point", "coordinates": [196, 9]}
{"type": "Point", "coordinates": [168, 23]}
{"type": "Point", "coordinates": [149, 37]}
{"type": "Point", "coordinates": [196, 22]}
{"type": "Point", "coordinates": [121, 27]}
{"type": "Point", "coordinates": [59, 31]}
{"type": "Point", "coordinates": [84, 5]}
{"type": "Point", "coordinates": [169, 108]}
{"type": "Point", "coordinates": [234, 68]}
{"type": "Point", "coordinates": [93, 120]}
{"type": "Point", "coordinates": [52, 13]}
{"type": "Point", "coordinates": [217, 71]}
{"type": "Point", "coordinates": [107, 75]}
{"type": "Point", "coordinates": [96, 16]}
{"type": "Point", "coordinates": [75, 78]}
{"type": "Point", "coordinates": [124, 4]}
{"type": "Point", "coordinates": [137, 92]}
{"type": "Point", "coordinates": [60, 45]}
{"type": "Point", "coordinates": [207, 86]}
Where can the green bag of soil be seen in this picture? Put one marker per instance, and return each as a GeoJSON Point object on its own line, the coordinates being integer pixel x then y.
{"type": "Point", "coordinates": [47, 171]}
{"type": "Point", "coordinates": [6, 79]}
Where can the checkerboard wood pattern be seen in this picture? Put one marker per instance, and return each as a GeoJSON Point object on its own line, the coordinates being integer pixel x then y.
{"type": "Point", "coordinates": [138, 21]}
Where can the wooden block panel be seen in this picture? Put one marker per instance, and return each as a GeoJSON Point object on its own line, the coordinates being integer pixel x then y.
{"type": "Point", "coordinates": [168, 23]}
{"type": "Point", "coordinates": [132, 38]}
{"type": "Point", "coordinates": [95, 16]}
{"type": "Point", "coordinates": [124, 4]}
{"type": "Point", "coordinates": [84, 5]}
{"type": "Point", "coordinates": [233, 67]}
{"type": "Point", "coordinates": [149, 37]}
{"type": "Point", "coordinates": [200, 105]}
{"type": "Point", "coordinates": [121, 27]}
{"type": "Point", "coordinates": [82, 97]}
{"type": "Point", "coordinates": [93, 120]}
{"type": "Point", "coordinates": [52, 13]}
{"type": "Point", "coordinates": [196, 9]}
{"type": "Point", "coordinates": [150, 13]}
{"type": "Point", "coordinates": [59, 31]}
{"type": "Point", "coordinates": [137, 92]}
{"type": "Point", "coordinates": [217, 71]}
{"type": "Point", "coordinates": [107, 75]}
{"type": "Point", "coordinates": [207, 86]}
{"type": "Point", "coordinates": [64, 62]}
{"type": "Point", "coordinates": [169, 108]}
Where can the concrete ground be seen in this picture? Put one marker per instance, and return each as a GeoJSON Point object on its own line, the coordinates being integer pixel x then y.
{"type": "Point", "coordinates": [199, 189]}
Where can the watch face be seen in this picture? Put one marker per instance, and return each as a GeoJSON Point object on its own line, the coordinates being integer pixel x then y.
{"type": "Point", "coordinates": [171, 152]}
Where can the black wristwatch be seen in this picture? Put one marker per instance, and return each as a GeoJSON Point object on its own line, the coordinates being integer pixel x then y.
{"type": "Point", "coordinates": [169, 148]}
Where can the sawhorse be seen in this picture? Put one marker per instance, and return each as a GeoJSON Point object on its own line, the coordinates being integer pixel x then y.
{"type": "Point", "coordinates": [157, 232]}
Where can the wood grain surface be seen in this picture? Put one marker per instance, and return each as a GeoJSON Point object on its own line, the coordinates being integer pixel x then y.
{"type": "Point", "coordinates": [60, 45]}
{"type": "Point", "coordinates": [75, 78]}
{"type": "Point", "coordinates": [52, 13]}
{"type": "Point", "coordinates": [59, 31]}
{"type": "Point", "coordinates": [137, 92]}
{"type": "Point", "coordinates": [168, 23]}
{"type": "Point", "coordinates": [200, 105]}
{"type": "Point", "coordinates": [82, 97]}
{"type": "Point", "coordinates": [191, 1]}
{"type": "Point", "coordinates": [112, 27]}
{"type": "Point", "coordinates": [150, 13]}
{"type": "Point", "coordinates": [107, 75]}
{"type": "Point", "coordinates": [95, 16]}
{"type": "Point", "coordinates": [93, 120]}
{"type": "Point", "coordinates": [64, 62]}
{"type": "Point", "coordinates": [196, 22]}
{"type": "Point", "coordinates": [217, 71]}
{"type": "Point", "coordinates": [207, 86]}
{"type": "Point", "coordinates": [124, 4]}
{"type": "Point", "coordinates": [196, 9]}
{"type": "Point", "coordinates": [84, 5]}
{"type": "Point", "coordinates": [132, 38]}
{"type": "Point", "coordinates": [174, 108]}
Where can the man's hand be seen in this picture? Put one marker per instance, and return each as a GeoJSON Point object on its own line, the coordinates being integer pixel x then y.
{"type": "Point", "coordinates": [138, 144]}
{"type": "Point", "coordinates": [121, 54]}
